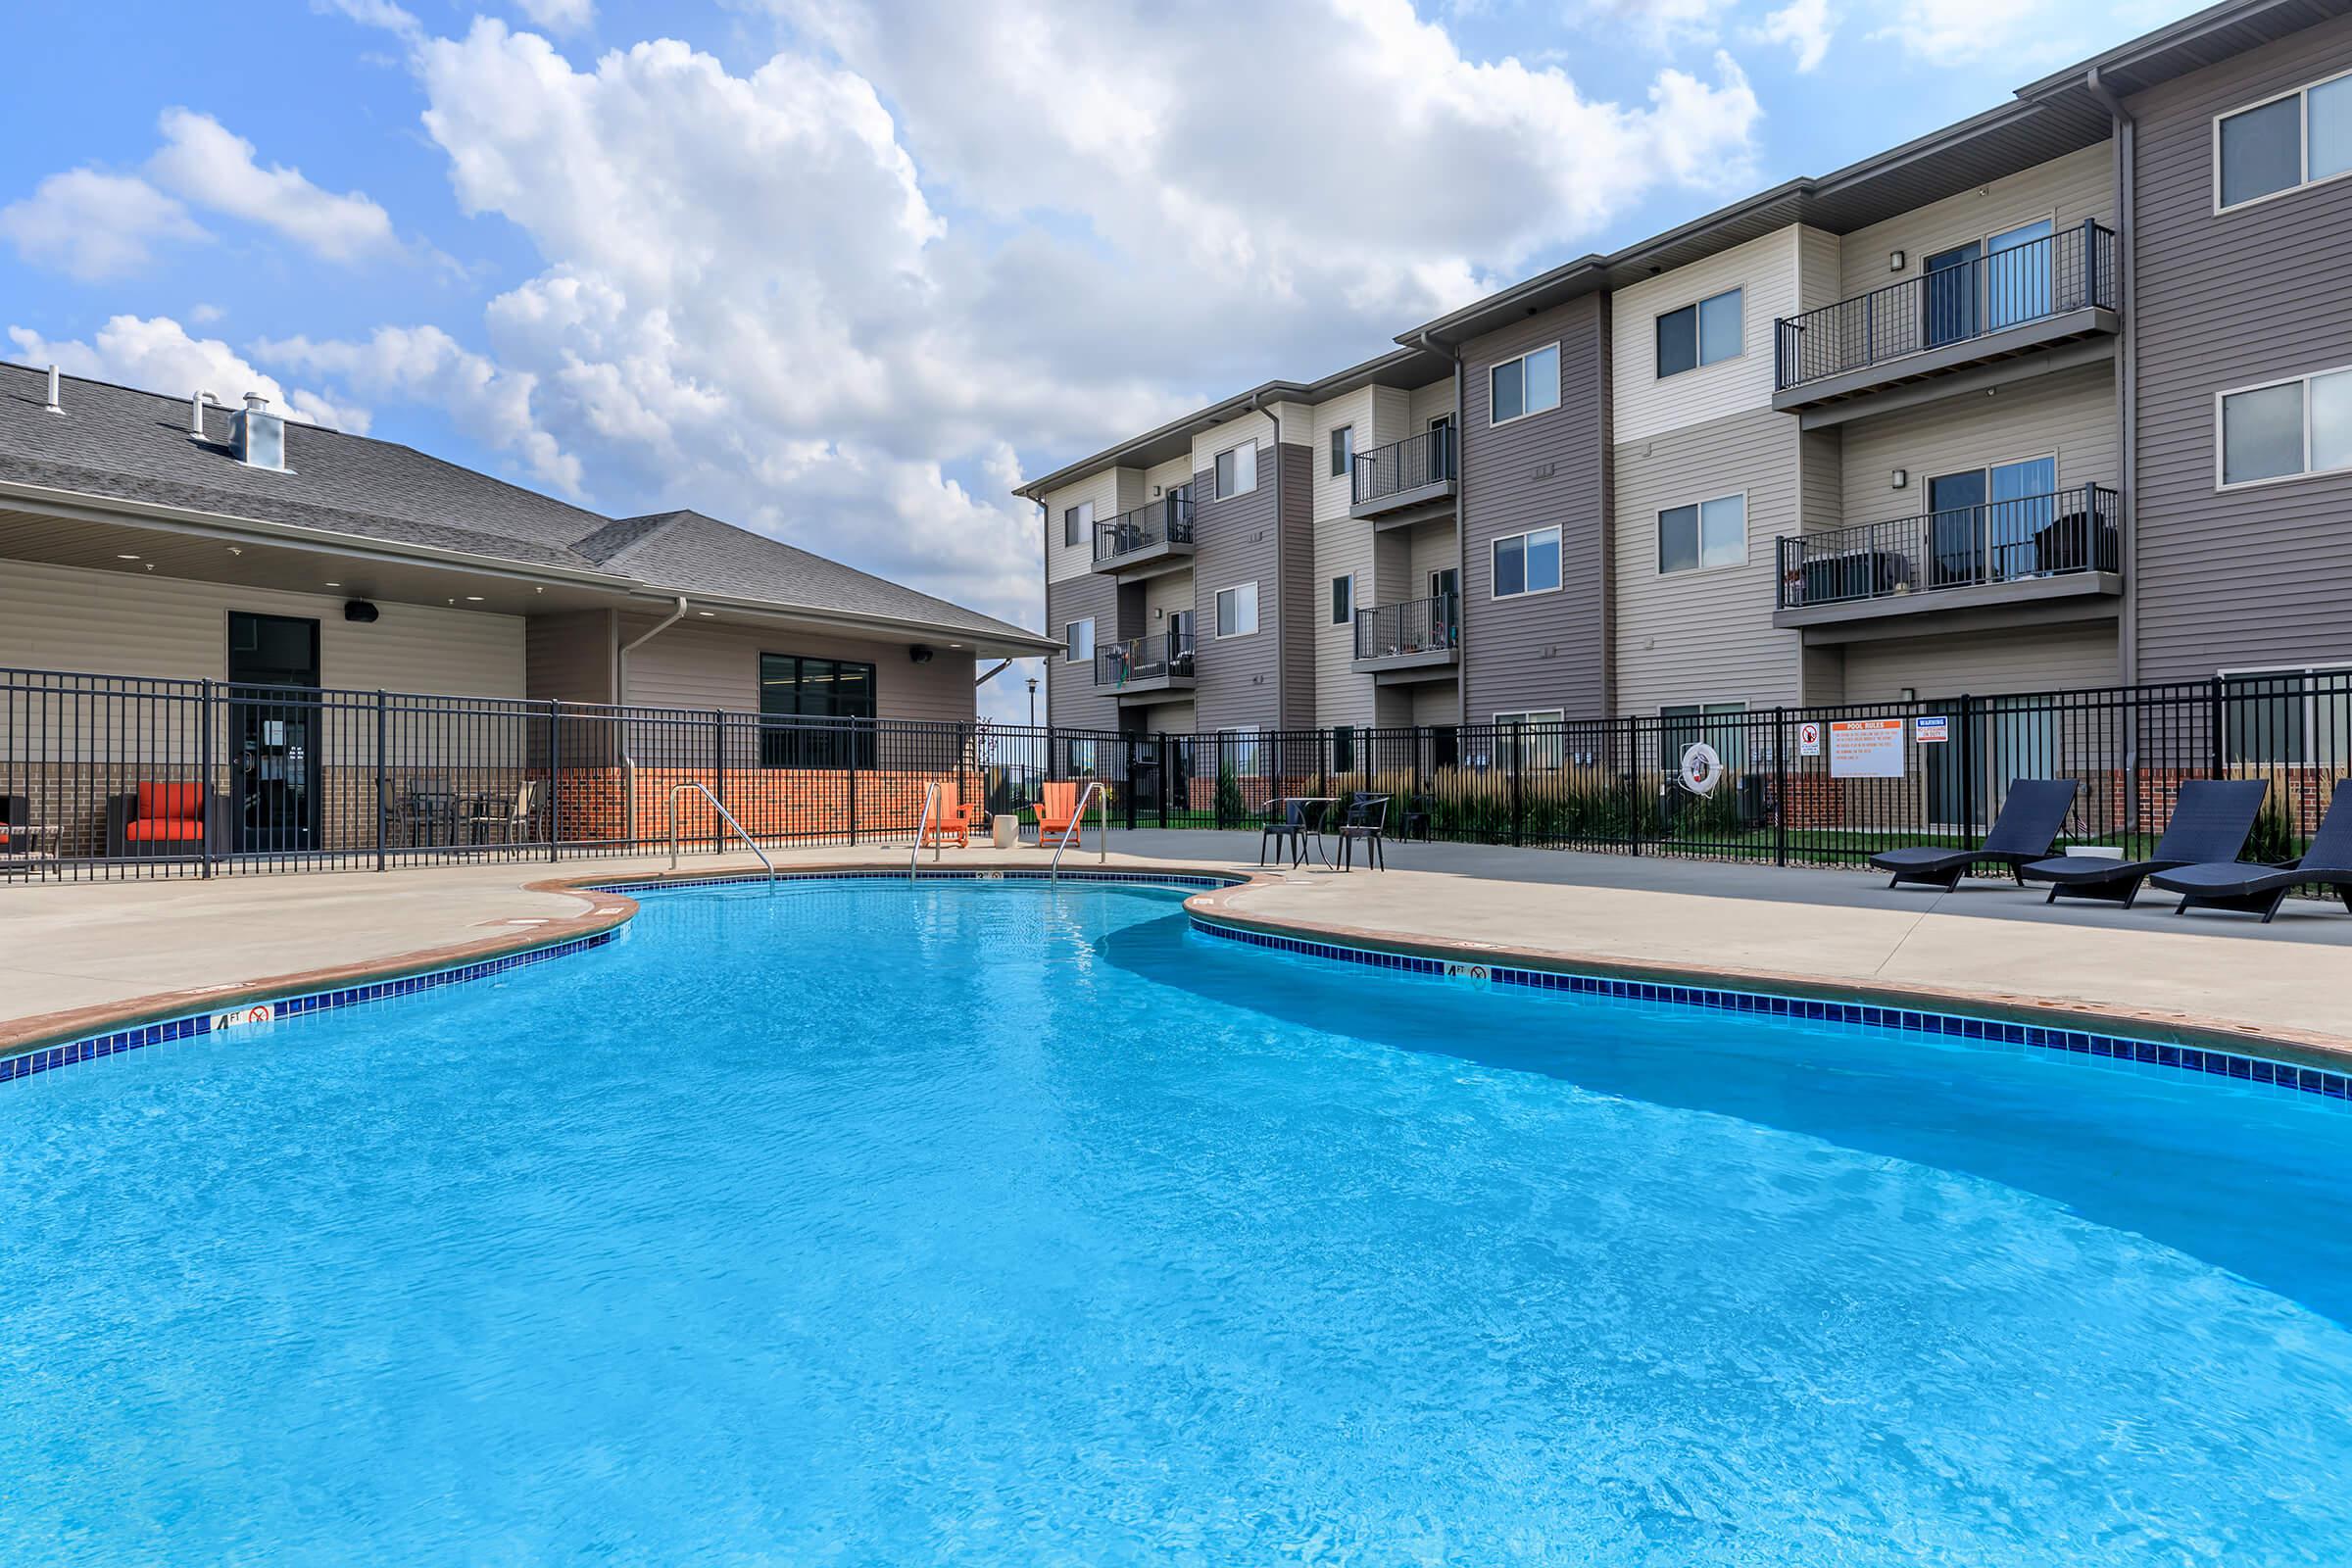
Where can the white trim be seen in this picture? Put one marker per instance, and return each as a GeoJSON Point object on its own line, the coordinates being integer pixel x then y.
{"type": "Point", "coordinates": [1559, 394]}
{"type": "Point", "coordinates": [2219, 438]}
{"type": "Point", "coordinates": [1500, 540]}
{"type": "Point", "coordinates": [1746, 537]}
{"type": "Point", "coordinates": [1698, 343]}
{"type": "Point", "coordinates": [2302, 146]}
{"type": "Point", "coordinates": [1348, 468]}
{"type": "Point", "coordinates": [1070, 648]}
{"type": "Point", "coordinates": [1216, 628]}
{"type": "Point", "coordinates": [1219, 493]}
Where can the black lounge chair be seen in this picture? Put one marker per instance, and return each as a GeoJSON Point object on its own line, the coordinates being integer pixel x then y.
{"type": "Point", "coordinates": [2210, 822]}
{"type": "Point", "coordinates": [2254, 889]}
{"type": "Point", "coordinates": [2026, 827]}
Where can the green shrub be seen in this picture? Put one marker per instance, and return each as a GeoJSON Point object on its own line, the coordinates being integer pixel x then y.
{"type": "Point", "coordinates": [1231, 808]}
{"type": "Point", "coordinates": [2272, 841]}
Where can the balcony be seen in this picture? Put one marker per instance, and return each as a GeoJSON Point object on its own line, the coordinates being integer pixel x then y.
{"type": "Point", "coordinates": [1420, 639]}
{"type": "Point", "coordinates": [1398, 483]}
{"type": "Point", "coordinates": [1143, 667]}
{"type": "Point", "coordinates": [2039, 295]}
{"type": "Point", "coordinates": [2002, 555]}
{"type": "Point", "coordinates": [1148, 540]}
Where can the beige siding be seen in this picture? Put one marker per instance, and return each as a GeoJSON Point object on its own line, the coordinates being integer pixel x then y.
{"type": "Point", "coordinates": [1232, 433]}
{"type": "Point", "coordinates": [1765, 271]}
{"type": "Point", "coordinates": [711, 665]}
{"type": "Point", "coordinates": [1982, 663]}
{"type": "Point", "coordinates": [1163, 477]}
{"type": "Point", "coordinates": [1705, 636]}
{"type": "Point", "coordinates": [124, 623]}
{"type": "Point", "coordinates": [2070, 416]}
{"type": "Point", "coordinates": [1820, 269]}
{"type": "Point", "coordinates": [1426, 403]}
{"type": "Point", "coordinates": [1163, 596]}
{"type": "Point", "coordinates": [1344, 547]}
{"type": "Point", "coordinates": [1437, 702]}
{"type": "Point", "coordinates": [570, 657]}
{"type": "Point", "coordinates": [2081, 185]}
{"type": "Point", "coordinates": [1064, 562]}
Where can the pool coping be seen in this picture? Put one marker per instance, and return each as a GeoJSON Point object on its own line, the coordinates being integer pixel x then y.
{"type": "Point", "coordinates": [1928, 1008]}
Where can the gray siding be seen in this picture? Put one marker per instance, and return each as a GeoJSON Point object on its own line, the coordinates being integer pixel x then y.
{"type": "Point", "coordinates": [1233, 543]}
{"type": "Point", "coordinates": [1305, 606]}
{"type": "Point", "coordinates": [1982, 663]}
{"type": "Point", "coordinates": [569, 657]}
{"type": "Point", "coordinates": [2069, 415]}
{"type": "Point", "coordinates": [716, 665]}
{"type": "Point", "coordinates": [2246, 577]}
{"type": "Point", "coordinates": [1551, 649]}
{"type": "Point", "coordinates": [1070, 695]}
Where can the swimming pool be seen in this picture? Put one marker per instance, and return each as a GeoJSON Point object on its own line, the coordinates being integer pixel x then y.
{"type": "Point", "coordinates": [993, 1223]}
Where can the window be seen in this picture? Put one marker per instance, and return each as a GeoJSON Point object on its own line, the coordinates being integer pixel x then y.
{"type": "Point", "coordinates": [1236, 472]}
{"type": "Point", "coordinates": [1342, 450]}
{"type": "Point", "coordinates": [2300, 139]}
{"type": "Point", "coordinates": [1237, 611]}
{"type": "Point", "coordinates": [1077, 523]}
{"type": "Point", "coordinates": [1526, 564]}
{"type": "Point", "coordinates": [2289, 718]}
{"type": "Point", "coordinates": [807, 706]}
{"type": "Point", "coordinates": [1539, 740]}
{"type": "Point", "coordinates": [1342, 748]}
{"type": "Point", "coordinates": [2285, 429]}
{"type": "Point", "coordinates": [1699, 335]}
{"type": "Point", "coordinates": [1528, 384]}
{"type": "Point", "coordinates": [1721, 725]}
{"type": "Point", "coordinates": [1080, 636]}
{"type": "Point", "coordinates": [1082, 759]}
{"type": "Point", "coordinates": [1712, 533]}
{"type": "Point", "coordinates": [1237, 751]}
{"type": "Point", "coordinates": [1342, 601]}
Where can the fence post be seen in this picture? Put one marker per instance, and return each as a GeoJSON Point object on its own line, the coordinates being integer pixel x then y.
{"type": "Point", "coordinates": [2216, 721]}
{"type": "Point", "coordinates": [1129, 791]}
{"type": "Point", "coordinates": [382, 783]}
{"type": "Point", "coordinates": [1967, 766]}
{"type": "Point", "coordinates": [1633, 786]}
{"type": "Point", "coordinates": [205, 787]}
{"type": "Point", "coordinates": [1780, 786]}
{"type": "Point", "coordinates": [853, 780]}
{"type": "Point", "coordinates": [719, 776]}
{"type": "Point", "coordinates": [554, 772]}
{"type": "Point", "coordinates": [1518, 762]}
{"type": "Point", "coordinates": [964, 741]}
{"type": "Point", "coordinates": [1168, 771]}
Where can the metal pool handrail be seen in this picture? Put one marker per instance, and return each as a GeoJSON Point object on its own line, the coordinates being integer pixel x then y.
{"type": "Point", "coordinates": [931, 798]}
{"type": "Point", "coordinates": [1094, 791]}
{"type": "Point", "coordinates": [725, 815]}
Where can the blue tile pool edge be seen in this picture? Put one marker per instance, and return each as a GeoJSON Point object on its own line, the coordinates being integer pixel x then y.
{"type": "Point", "coordinates": [2234, 1065]}
{"type": "Point", "coordinates": [30, 1059]}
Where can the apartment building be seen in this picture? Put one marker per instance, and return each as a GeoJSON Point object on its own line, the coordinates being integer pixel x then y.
{"type": "Point", "coordinates": [2059, 396]}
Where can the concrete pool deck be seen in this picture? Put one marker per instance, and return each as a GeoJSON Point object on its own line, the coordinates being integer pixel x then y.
{"type": "Point", "coordinates": [74, 956]}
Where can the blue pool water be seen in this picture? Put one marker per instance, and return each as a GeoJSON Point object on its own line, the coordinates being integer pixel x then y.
{"type": "Point", "coordinates": [989, 1224]}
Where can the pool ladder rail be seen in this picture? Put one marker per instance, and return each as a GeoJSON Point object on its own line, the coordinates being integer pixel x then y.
{"type": "Point", "coordinates": [725, 815]}
{"type": "Point", "coordinates": [922, 824]}
{"type": "Point", "coordinates": [1094, 791]}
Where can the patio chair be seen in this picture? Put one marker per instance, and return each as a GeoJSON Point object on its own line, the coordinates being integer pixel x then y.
{"type": "Point", "coordinates": [1057, 810]}
{"type": "Point", "coordinates": [1285, 825]}
{"type": "Point", "coordinates": [2253, 888]}
{"type": "Point", "coordinates": [2210, 820]}
{"type": "Point", "coordinates": [1366, 823]}
{"type": "Point", "coordinates": [951, 821]}
{"type": "Point", "coordinates": [166, 820]}
{"type": "Point", "coordinates": [2029, 825]}
{"type": "Point", "coordinates": [511, 819]}
{"type": "Point", "coordinates": [22, 841]}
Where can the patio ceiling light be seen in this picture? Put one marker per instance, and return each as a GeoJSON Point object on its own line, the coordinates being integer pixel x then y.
{"type": "Point", "coordinates": [126, 558]}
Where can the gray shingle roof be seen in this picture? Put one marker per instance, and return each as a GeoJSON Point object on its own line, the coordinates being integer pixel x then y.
{"type": "Point", "coordinates": [118, 443]}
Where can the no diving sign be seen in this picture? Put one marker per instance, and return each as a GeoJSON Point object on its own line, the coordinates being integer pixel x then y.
{"type": "Point", "coordinates": [1808, 739]}
{"type": "Point", "coordinates": [1932, 730]}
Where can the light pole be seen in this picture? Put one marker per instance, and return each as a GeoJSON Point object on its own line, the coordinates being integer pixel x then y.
{"type": "Point", "coordinates": [1033, 701]}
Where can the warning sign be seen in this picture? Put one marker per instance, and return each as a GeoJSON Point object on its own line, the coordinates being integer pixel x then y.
{"type": "Point", "coordinates": [1866, 748]}
{"type": "Point", "coordinates": [1808, 739]}
{"type": "Point", "coordinates": [1932, 731]}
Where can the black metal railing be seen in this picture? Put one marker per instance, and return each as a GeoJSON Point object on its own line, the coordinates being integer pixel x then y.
{"type": "Point", "coordinates": [1403, 467]}
{"type": "Point", "coordinates": [1165, 522]}
{"type": "Point", "coordinates": [1413, 627]}
{"type": "Point", "coordinates": [1168, 654]}
{"type": "Point", "coordinates": [2050, 535]}
{"type": "Point", "coordinates": [2068, 271]}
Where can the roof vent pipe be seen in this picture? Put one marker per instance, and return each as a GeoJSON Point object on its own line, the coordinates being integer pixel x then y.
{"type": "Point", "coordinates": [196, 403]}
{"type": "Point", "coordinates": [54, 406]}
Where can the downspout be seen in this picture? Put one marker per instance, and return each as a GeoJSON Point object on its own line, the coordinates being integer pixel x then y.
{"type": "Point", "coordinates": [1003, 664]}
{"type": "Point", "coordinates": [1461, 575]}
{"type": "Point", "coordinates": [621, 694]}
{"type": "Point", "coordinates": [1044, 573]}
{"type": "Point", "coordinates": [1281, 582]}
{"type": "Point", "coordinates": [2127, 371]}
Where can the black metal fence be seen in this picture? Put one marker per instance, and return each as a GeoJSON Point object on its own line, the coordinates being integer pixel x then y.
{"type": "Point", "coordinates": [1993, 287]}
{"type": "Point", "coordinates": [112, 777]}
{"type": "Point", "coordinates": [1403, 467]}
{"type": "Point", "coordinates": [1144, 658]}
{"type": "Point", "coordinates": [1414, 628]}
{"type": "Point", "coordinates": [1165, 522]}
{"type": "Point", "coordinates": [2056, 535]}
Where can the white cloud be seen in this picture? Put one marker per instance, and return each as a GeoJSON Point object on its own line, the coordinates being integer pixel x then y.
{"type": "Point", "coordinates": [373, 14]}
{"type": "Point", "coordinates": [560, 16]}
{"type": "Point", "coordinates": [205, 163]}
{"type": "Point", "coordinates": [1804, 25]}
{"type": "Point", "coordinates": [1663, 23]}
{"type": "Point", "coordinates": [425, 365]}
{"type": "Point", "coordinates": [2022, 34]}
{"type": "Point", "coordinates": [95, 227]}
{"type": "Point", "coordinates": [156, 355]}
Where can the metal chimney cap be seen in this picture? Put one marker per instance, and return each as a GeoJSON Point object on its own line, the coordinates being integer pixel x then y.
{"type": "Point", "coordinates": [256, 402]}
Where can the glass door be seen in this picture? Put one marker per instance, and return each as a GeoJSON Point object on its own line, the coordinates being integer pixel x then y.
{"type": "Point", "coordinates": [1955, 510]}
{"type": "Point", "coordinates": [1445, 608]}
{"type": "Point", "coordinates": [2017, 275]}
{"type": "Point", "coordinates": [1952, 294]}
{"type": "Point", "coordinates": [273, 732]}
{"type": "Point", "coordinates": [2018, 518]}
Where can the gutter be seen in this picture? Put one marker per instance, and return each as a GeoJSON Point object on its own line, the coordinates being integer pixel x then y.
{"type": "Point", "coordinates": [2126, 369]}
{"type": "Point", "coordinates": [620, 696]}
{"type": "Point", "coordinates": [1281, 612]}
{"type": "Point", "coordinates": [1461, 490]}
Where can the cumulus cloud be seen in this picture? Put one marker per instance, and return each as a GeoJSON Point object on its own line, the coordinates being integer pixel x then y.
{"type": "Point", "coordinates": [1804, 25]}
{"type": "Point", "coordinates": [560, 16]}
{"type": "Point", "coordinates": [157, 354]}
{"type": "Point", "coordinates": [211, 167]}
{"type": "Point", "coordinates": [95, 227]}
{"type": "Point", "coordinates": [425, 365]}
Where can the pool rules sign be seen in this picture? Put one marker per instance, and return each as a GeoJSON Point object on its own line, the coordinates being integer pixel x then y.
{"type": "Point", "coordinates": [1866, 748]}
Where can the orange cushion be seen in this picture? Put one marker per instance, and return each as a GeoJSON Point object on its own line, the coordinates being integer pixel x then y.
{"type": "Point", "coordinates": [181, 802]}
{"type": "Point", "coordinates": [163, 828]}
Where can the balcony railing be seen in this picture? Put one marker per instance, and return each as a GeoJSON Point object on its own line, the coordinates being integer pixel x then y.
{"type": "Point", "coordinates": [1403, 467]}
{"type": "Point", "coordinates": [2068, 271]}
{"type": "Point", "coordinates": [1415, 626]}
{"type": "Point", "coordinates": [1165, 522]}
{"type": "Point", "coordinates": [1143, 659]}
{"type": "Point", "coordinates": [2055, 535]}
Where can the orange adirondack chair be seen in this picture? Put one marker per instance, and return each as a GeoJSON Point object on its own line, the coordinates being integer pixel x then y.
{"type": "Point", "coordinates": [951, 821]}
{"type": "Point", "coordinates": [1056, 808]}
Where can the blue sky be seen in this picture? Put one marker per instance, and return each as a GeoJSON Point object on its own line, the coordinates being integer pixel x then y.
{"type": "Point", "coordinates": [847, 273]}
